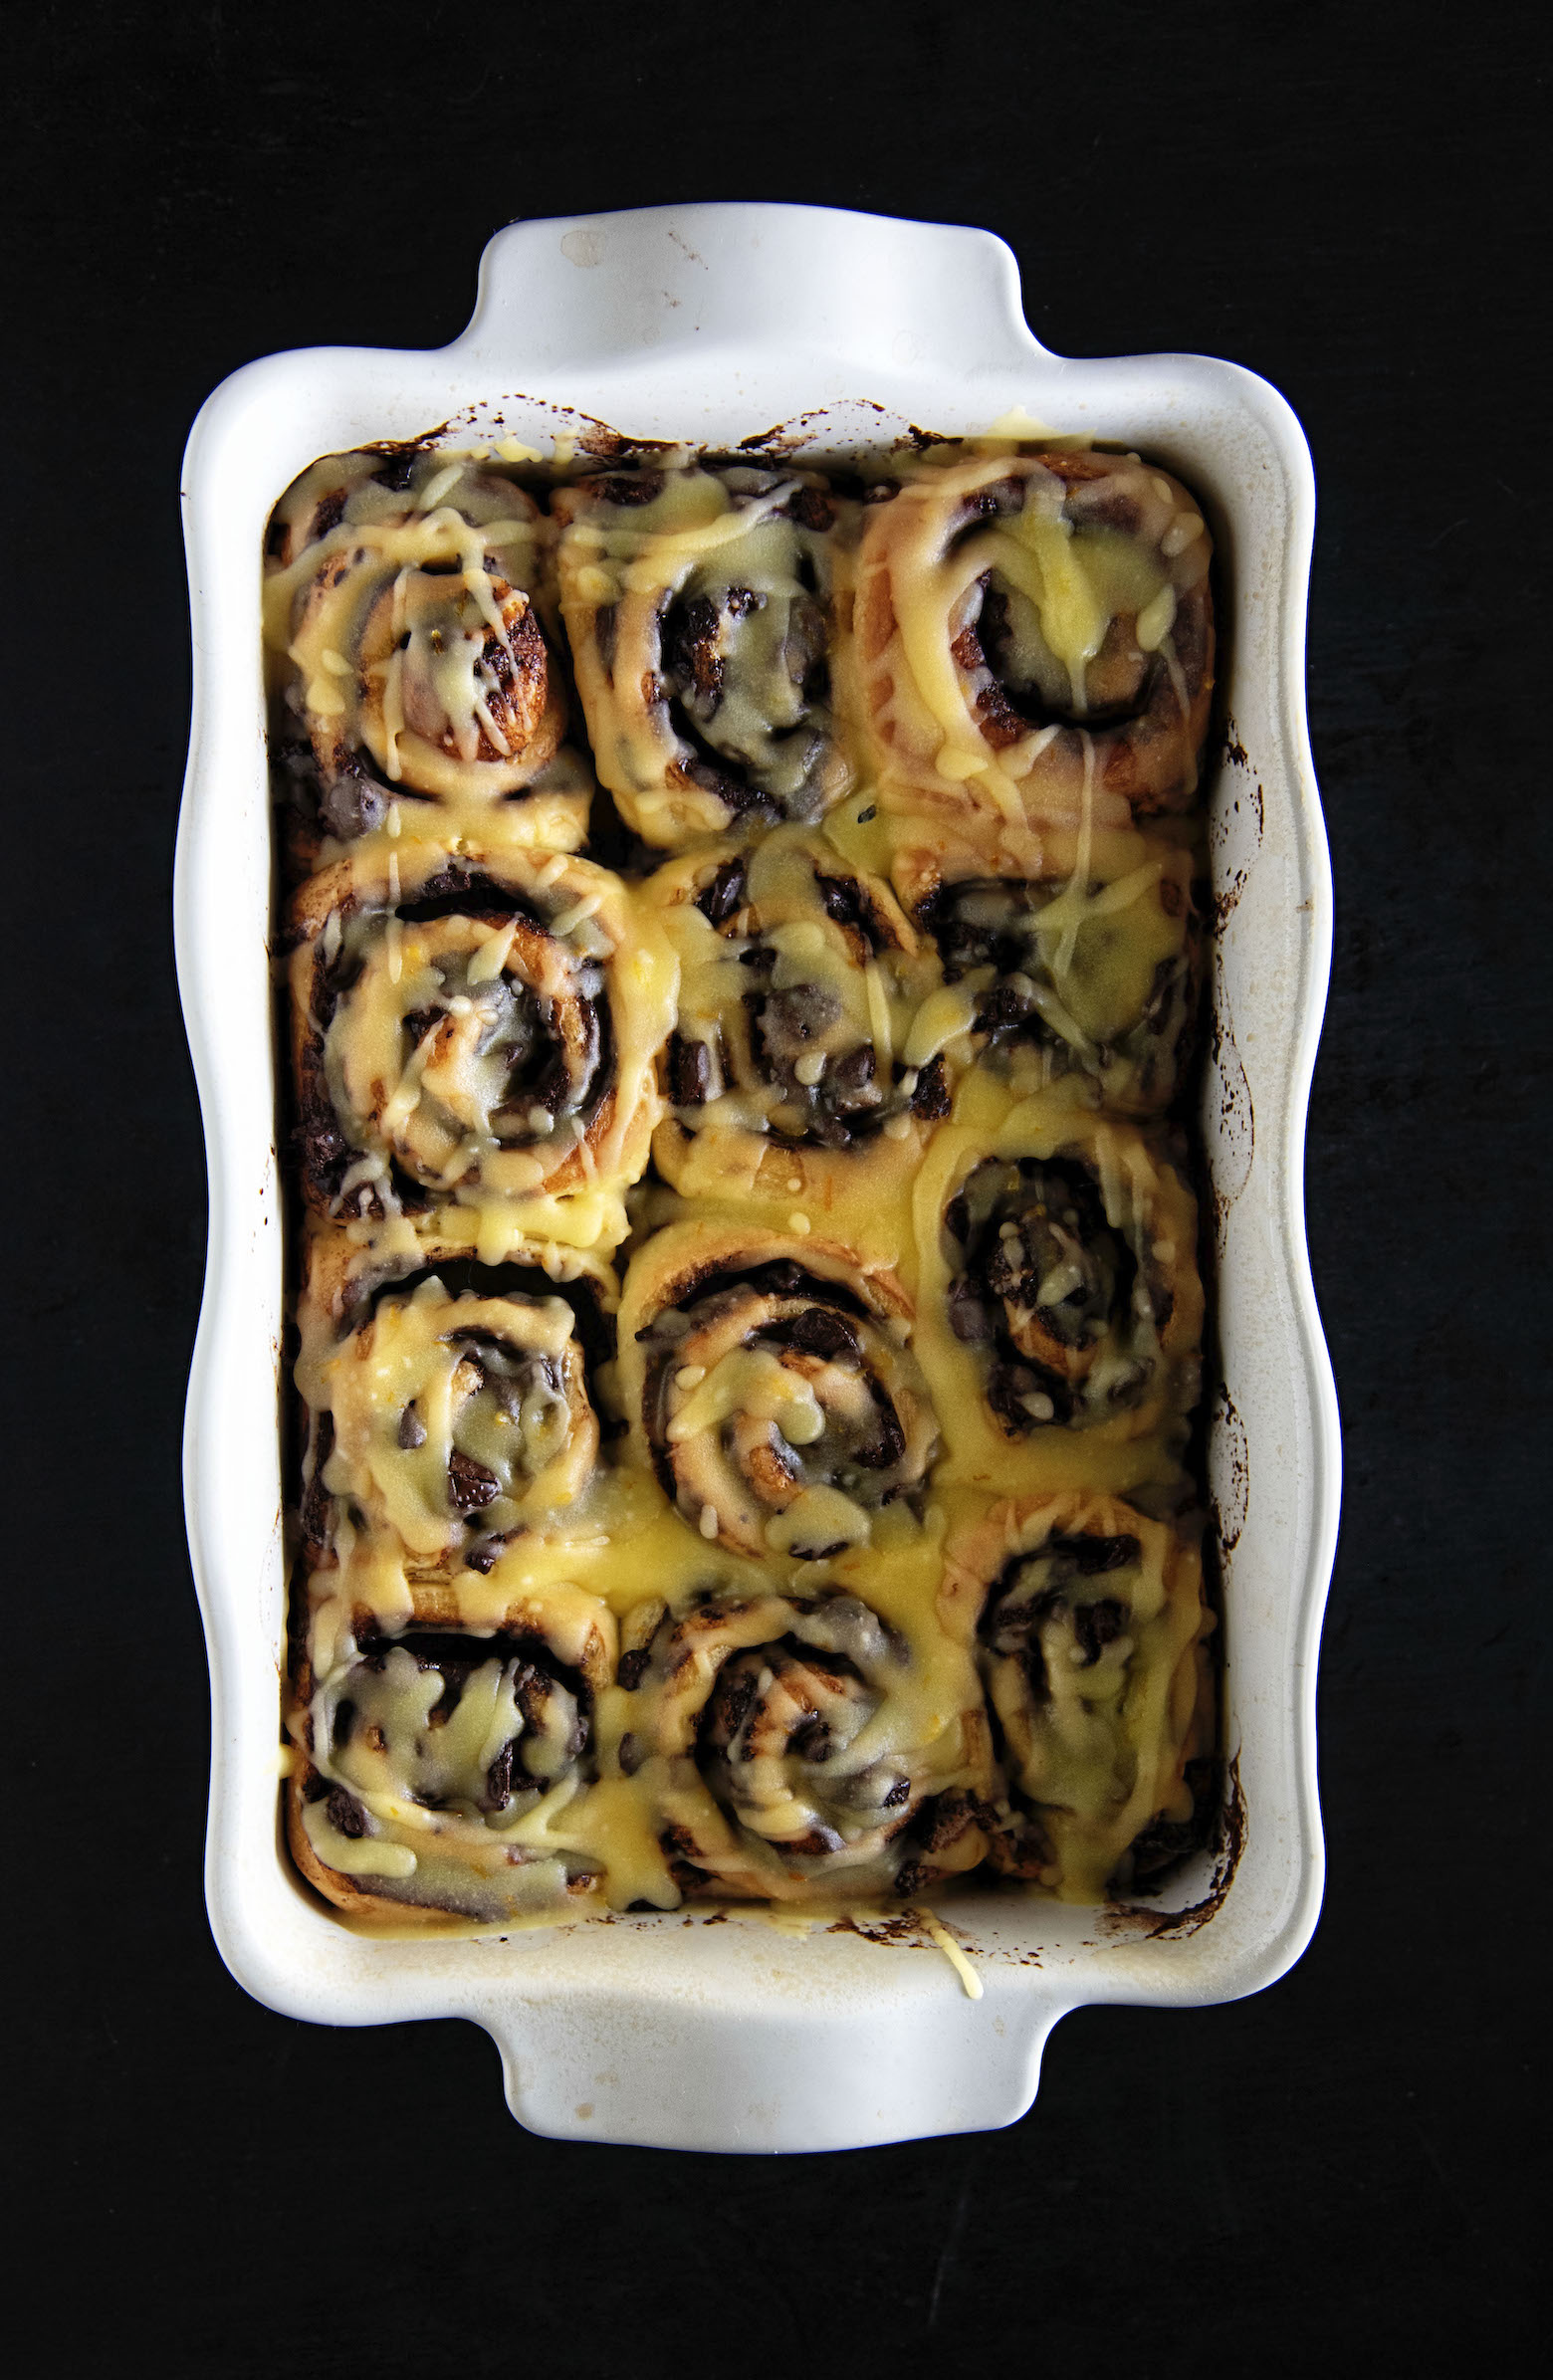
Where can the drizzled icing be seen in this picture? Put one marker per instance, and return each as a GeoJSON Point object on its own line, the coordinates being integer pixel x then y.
{"type": "Point", "coordinates": [1091, 1633]}
{"type": "Point", "coordinates": [409, 597]}
{"type": "Point", "coordinates": [807, 1021]}
{"type": "Point", "coordinates": [495, 1046]}
{"type": "Point", "coordinates": [697, 1580]}
{"type": "Point", "coordinates": [1060, 1307]}
{"type": "Point", "coordinates": [1033, 634]}
{"type": "Point", "coordinates": [770, 1384]}
{"type": "Point", "coordinates": [699, 604]}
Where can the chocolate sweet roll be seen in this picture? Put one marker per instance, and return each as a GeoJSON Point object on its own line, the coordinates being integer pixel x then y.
{"type": "Point", "coordinates": [435, 1768]}
{"type": "Point", "coordinates": [1091, 1633]}
{"type": "Point", "coordinates": [770, 1383]}
{"type": "Point", "coordinates": [797, 1747]}
{"type": "Point", "coordinates": [1094, 978]}
{"type": "Point", "coordinates": [478, 1031]}
{"type": "Point", "coordinates": [794, 1068]}
{"type": "Point", "coordinates": [1060, 1303]}
{"type": "Point", "coordinates": [450, 1411]}
{"type": "Point", "coordinates": [406, 603]}
{"type": "Point", "coordinates": [700, 604]}
{"type": "Point", "coordinates": [1035, 638]}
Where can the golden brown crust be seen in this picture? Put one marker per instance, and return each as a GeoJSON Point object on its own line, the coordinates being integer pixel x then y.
{"type": "Point", "coordinates": [1034, 639]}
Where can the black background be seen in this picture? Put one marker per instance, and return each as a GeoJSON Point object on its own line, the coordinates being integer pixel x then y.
{"type": "Point", "coordinates": [1345, 199]}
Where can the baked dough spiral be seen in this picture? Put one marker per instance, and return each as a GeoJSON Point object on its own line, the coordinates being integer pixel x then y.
{"type": "Point", "coordinates": [769, 1381]}
{"type": "Point", "coordinates": [1091, 978]}
{"type": "Point", "coordinates": [449, 1411]}
{"type": "Point", "coordinates": [700, 604]}
{"type": "Point", "coordinates": [794, 1066]}
{"type": "Point", "coordinates": [434, 1765]}
{"type": "Point", "coordinates": [408, 592]}
{"type": "Point", "coordinates": [477, 1029]}
{"type": "Point", "coordinates": [790, 1749]}
{"type": "Point", "coordinates": [1034, 639]}
{"type": "Point", "coordinates": [1090, 1631]}
{"type": "Point", "coordinates": [1061, 1308]}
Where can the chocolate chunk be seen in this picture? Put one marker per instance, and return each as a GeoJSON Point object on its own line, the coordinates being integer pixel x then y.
{"type": "Point", "coordinates": [729, 1705]}
{"type": "Point", "coordinates": [470, 1486]}
{"type": "Point", "coordinates": [412, 1429]}
{"type": "Point", "coordinates": [887, 1444]}
{"type": "Point", "coordinates": [419, 1022]}
{"type": "Point", "coordinates": [345, 1815]}
{"type": "Point", "coordinates": [723, 898]}
{"type": "Point", "coordinates": [811, 1741]}
{"type": "Point", "coordinates": [1007, 1384]}
{"type": "Point", "coordinates": [692, 653]}
{"type": "Point", "coordinates": [330, 513]}
{"type": "Point", "coordinates": [847, 1076]}
{"type": "Point", "coordinates": [819, 1331]}
{"type": "Point", "coordinates": [930, 1100]}
{"type": "Point", "coordinates": [944, 1820]}
{"type": "Point", "coordinates": [1098, 1625]}
{"type": "Point", "coordinates": [847, 904]}
{"type": "Point", "coordinates": [499, 1778]}
{"type": "Point", "coordinates": [399, 468]}
{"type": "Point", "coordinates": [690, 1071]}
{"type": "Point", "coordinates": [812, 508]}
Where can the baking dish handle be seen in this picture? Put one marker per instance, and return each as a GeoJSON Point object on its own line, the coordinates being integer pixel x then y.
{"type": "Point", "coordinates": [689, 2073]}
{"type": "Point", "coordinates": [572, 290]}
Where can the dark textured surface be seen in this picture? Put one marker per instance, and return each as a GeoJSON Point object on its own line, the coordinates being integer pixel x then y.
{"type": "Point", "coordinates": [1345, 200]}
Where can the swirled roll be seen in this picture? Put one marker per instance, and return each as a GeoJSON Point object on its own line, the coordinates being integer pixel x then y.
{"type": "Point", "coordinates": [792, 1746]}
{"type": "Point", "coordinates": [1060, 1308]}
{"type": "Point", "coordinates": [478, 1032]}
{"type": "Point", "coordinates": [435, 1768]}
{"type": "Point", "coordinates": [407, 590]}
{"type": "Point", "coordinates": [794, 1070]}
{"type": "Point", "coordinates": [1090, 1631]}
{"type": "Point", "coordinates": [450, 1409]}
{"type": "Point", "coordinates": [770, 1383]}
{"type": "Point", "coordinates": [1035, 639]}
{"type": "Point", "coordinates": [699, 604]}
{"type": "Point", "coordinates": [1091, 978]}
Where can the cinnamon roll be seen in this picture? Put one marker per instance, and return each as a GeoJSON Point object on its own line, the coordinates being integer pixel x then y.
{"type": "Point", "coordinates": [701, 605]}
{"type": "Point", "coordinates": [770, 1384]}
{"type": "Point", "coordinates": [450, 1409]}
{"type": "Point", "coordinates": [435, 1768]}
{"type": "Point", "coordinates": [794, 1747]}
{"type": "Point", "coordinates": [1093, 977]}
{"type": "Point", "coordinates": [476, 1031]}
{"type": "Point", "coordinates": [1035, 638]}
{"type": "Point", "coordinates": [1091, 1636]}
{"type": "Point", "coordinates": [1060, 1306]}
{"type": "Point", "coordinates": [794, 1070]}
{"type": "Point", "coordinates": [407, 590]}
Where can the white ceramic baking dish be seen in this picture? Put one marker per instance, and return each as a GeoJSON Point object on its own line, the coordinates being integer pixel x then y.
{"type": "Point", "coordinates": [712, 323]}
